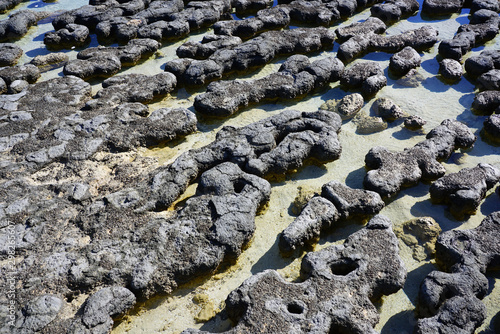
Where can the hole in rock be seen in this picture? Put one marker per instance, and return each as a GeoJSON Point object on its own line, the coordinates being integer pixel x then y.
{"type": "Point", "coordinates": [295, 308]}
{"type": "Point", "coordinates": [239, 185]}
{"type": "Point", "coordinates": [343, 267]}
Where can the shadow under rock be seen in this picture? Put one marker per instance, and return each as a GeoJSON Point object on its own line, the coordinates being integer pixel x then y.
{"type": "Point", "coordinates": [400, 323]}
{"type": "Point", "coordinates": [494, 326]}
{"type": "Point", "coordinates": [272, 259]}
{"type": "Point", "coordinates": [404, 133]}
{"type": "Point", "coordinates": [415, 279]}
{"type": "Point", "coordinates": [490, 204]}
{"type": "Point", "coordinates": [355, 178]}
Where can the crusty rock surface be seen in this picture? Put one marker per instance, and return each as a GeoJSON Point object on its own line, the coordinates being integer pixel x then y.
{"type": "Point", "coordinates": [388, 109]}
{"type": "Point", "coordinates": [478, 64]}
{"type": "Point", "coordinates": [347, 107]}
{"type": "Point", "coordinates": [420, 234]}
{"type": "Point", "coordinates": [9, 54]}
{"type": "Point", "coordinates": [420, 39]}
{"type": "Point", "coordinates": [17, 24]}
{"type": "Point", "coordinates": [370, 25]}
{"type": "Point", "coordinates": [366, 76]}
{"type": "Point", "coordinates": [405, 60]}
{"type": "Point", "coordinates": [464, 191]}
{"type": "Point", "coordinates": [337, 202]}
{"type": "Point", "coordinates": [73, 35]}
{"type": "Point", "coordinates": [338, 287]}
{"type": "Point", "coordinates": [107, 61]}
{"type": "Point", "coordinates": [487, 102]}
{"type": "Point", "coordinates": [5, 5]}
{"type": "Point", "coordinates": [450, 69]}
{"type": "Point", "coordinates": [451, 300]}
{"type": "Point", "coordinates": [224, 98]}
{"type": "Point", "coordinates": [442, 7]}
{"type": "Point", "coordinates": [390, 171]}
{"type": "Point", "coordinates": [253, 53]}
{"type": "Point", "coordinates": [208, 45]}
{"type": "Point", "coordinates": [393, 10]}
{"type": "Point", "coordinates": [491, 128]}
{"type": "Point", "coordinates": [50, 61]}
{"type": "Point", "coordinates": [414, 122]}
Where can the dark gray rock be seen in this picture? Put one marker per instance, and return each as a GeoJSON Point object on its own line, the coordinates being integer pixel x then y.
{"type": "Point", "coordinates": [388, 109]}
{"type": "Point", "coordinates": [9, 54]}
{"type": "Point", "coordinates": [209, 44]}
{"type": "Point", "coordinates": [441, 7]}
{"type": "Point", "coordinates": [370, 25]}
{"type": "Point", "coordinates": [478, 5]}
{"type": "Point", "coordinates": [224, 98]}
{"type": "Point", "coordinates": [451, 301]}
{"type": "Point", "coordinates": [491, 128]}
{"type": "Point", "coordinates": [489, 80]}
{"type": "Point", "coordinates": [100, 308]}
{"type": "Point", "coordinates": [73, 35]}
{"type": "Point", "coordinates": [5, 5]}
{"type": "Point", "coordinates": [17, 86]}
{"type": "Point", "coordinates": [106, 61]}
{"type": "Point", "coordinates": [482, 63]}
{"type": "Point", "coordinates": [250, 6]}
{"type": "Point", "coordinates": [367, 76]}
{"type": "Point", "coordinates": [338, 285]}
{"type": "Point", "coordinates": [414, 122]}
{"type": "Point", "coordinates": [389, 171]}
{"type": "Point", "coordinates": [120, 29]}
{"type": "Point", "coordinates": [464, 191]}
{"type": "Point", "coordinates": [420, 39]}
{"type": "Point", "coordinates": [450, 69]}
{"type": "Point", "coordinates": [28, 72]}
{"type": "Point", "coordinates": [3, 86]}
{"type": "Point", "coordinates": [404, 60]}
{"type": "Point", "coordinates": [486, 102]}
{"type": "Point", "coordinates": [38, 313]}
{"type": "Point", "coordinates": [17, 24]}
{"type": "Point", "coordinates": [253, 53]}
{"type": "Point", "coordinates": [482, 15]}
{"type": "Point", "coordinates": [337, 202]}
{"type": "Point", "coordinates": [393, 10]}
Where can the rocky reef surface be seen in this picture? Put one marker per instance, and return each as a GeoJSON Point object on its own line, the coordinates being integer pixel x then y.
{"type": "Point", "coordinates": [136, 197]}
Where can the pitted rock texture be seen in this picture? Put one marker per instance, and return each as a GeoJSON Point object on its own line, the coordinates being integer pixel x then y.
{"type": "Point", "coordinates": [390, 171]}
{"type": "Point", "coordinates": [450, 69]}
{"type": "Point", "coordinates": [464, 191]}
{"type": "Point", "coordinates": [132, 88]}
{"type": "Point", "coordinates": [366, 76]}
{"type": "Point", "coordinates": [253, 53]}
{"type": "Point", "coordinates": [442, 7]}
{"type": "Point", "coordinates": [491, 128]}
{"type": "Point", "coordinates": [370, 25]}
{"type": "Point", "coordinates": [388, 109]}
{"type": "Point", "coordinates": [336, 294]}
{"type": "Point", "coordinates": [26, 72]}
{"type": "Point", "coordinates": [9, 54]}
{"type": "Point", "coordinates": [451, 301]}
{"type": "Point", "coordinates": [107, 61]}
{"type": "Point", "coordinates": [208, 45]}
{"type": "Point", "coordinates": [487, 102]}
{"type": "Point", "coordinates": [272, 146]}
{"type": "Point", "coordinates": [420, 234]}
{"type": "Point", "coordinates": [224, 98]}
{"type": "Point", "coordinates": [72, 35]}
{"type": "Point", "coordinates": [405, 60]}
{"type": "Point", "coordinates": [393, 10]}
{"type": "Point", "coordinates": [337, 202]}
{"type": "Point", "coordinates": [347, 107]}
{"type": "Point", "coordinates": [469, 36]}
{"type": "Point", "coordinates": [420, 39]}
{"type": "Point", "coordinates": [414, 122]}
{"type": "Point", "coordinates": [249, 6]}
{"type": "Point", "coordinates": [482, 63]}
{"type": "Point", "coordinates": [17, 25]}
{"type": "Point", "coordinates": [49, 61]}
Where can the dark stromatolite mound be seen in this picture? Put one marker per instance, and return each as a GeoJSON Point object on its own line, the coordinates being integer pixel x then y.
{"type": "Point", "coordinates": [72, 35]}
{"type": "Point", "coordinates": [442, 7]}
{"type": "Point", "coordinates": [337, 202]}
{"type": "Point", "coordinates": [13, 77]}
{"type": "Point", "coordinates": [451, 69]}
{"type": "Point", "coordinates": [208, 45]}
{"type": "Point", "coordinates": [405, 60]}
{"type": "Point", "coordinates": [420, 39]}
{"type": "Point", "coordinates": [339, 285]}
{"type": "Point", "coordinates": [451, 301]}
{"type": "Point", "coordinates": [393, 10]}
{"type": "Point", "coordinates": [487, 102]}
{"type": "Point", "coordinates": [5, 5]}
{"type": "Point", "coordinates": [49, 61]}
{"type": "Point", "coordinates": [489, 80]}
{"type": "Point", "coordinates": [370, 25]}
{"type": "Point", "coordinates": [272, 146]}
{"type": "Point", "coordinates": [248, 6]}
{"type": "Point", "coordinates": [224, 98]}
{"type": "Point", "coordinates": [100, 308]}
{"type": "Point", "coordinates": [254, 53]}
{"type": "Point", "coordinates": [107, 61]}
{"type": "Point", "coordinates": [9, 54]}
{"type": "Point", "coordinates": [464, 191]}
{"type": "Point", "coordinates": [17, 24]}
{"type": "Point", "coordinates": [132, 88]}
{"type": "Point", "coordinates": [366, 76]}
{"type": "Point", "coordinates": [469, 36]}
{"type": "Point", "coordinates": [491, 128]}
{"type": "Point", "coordinates": [388, 109]}
{"type": "Point", "coordinates": [414, 122]}
{"type": "Point", "coordinates": [390, 171]}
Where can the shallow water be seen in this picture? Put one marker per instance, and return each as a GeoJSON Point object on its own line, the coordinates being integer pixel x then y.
{"type": "Point", "coordinates": [433, 100]}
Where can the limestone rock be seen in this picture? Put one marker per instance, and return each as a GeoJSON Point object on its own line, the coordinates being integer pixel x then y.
{"type": "Point", "coordinates": [414, 122]}
{"type": "Point", "coordinates": [450, 69]}
{"type": "Point", "coordinates": [73, 35]}
{"type": "Point", "coordinates": [420, 234]}
{"type": "Point", "coordinates": [388, 109]}
{"type": "Point", "coordinates": [404, 60]}
{"type": "Point", "coordinates": [9, 54]}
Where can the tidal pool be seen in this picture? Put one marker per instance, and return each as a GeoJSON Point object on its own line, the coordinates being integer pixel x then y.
{"type": "Point", "coordinates": [427, 96]}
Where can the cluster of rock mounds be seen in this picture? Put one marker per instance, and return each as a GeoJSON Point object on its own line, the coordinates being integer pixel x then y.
{"type": "Point", "coordinates": [253, 53]}
{"type": "Point", "coordinates": [296, 77]}
{"type": "Point", "coordinates": [17, 24]}
{"type": "Point", "coordinates": [336, 294]}
{"type": "Point", "coordinates": [451, 300]}
{"type": "Point", "coordinates": [390, 171]}
{"type": "Point", "coordinates": [336, 202]}
{"type": "Point", "coordinates": [15, 79]}
{"type": "Point", "coordinates": [9, 54]}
